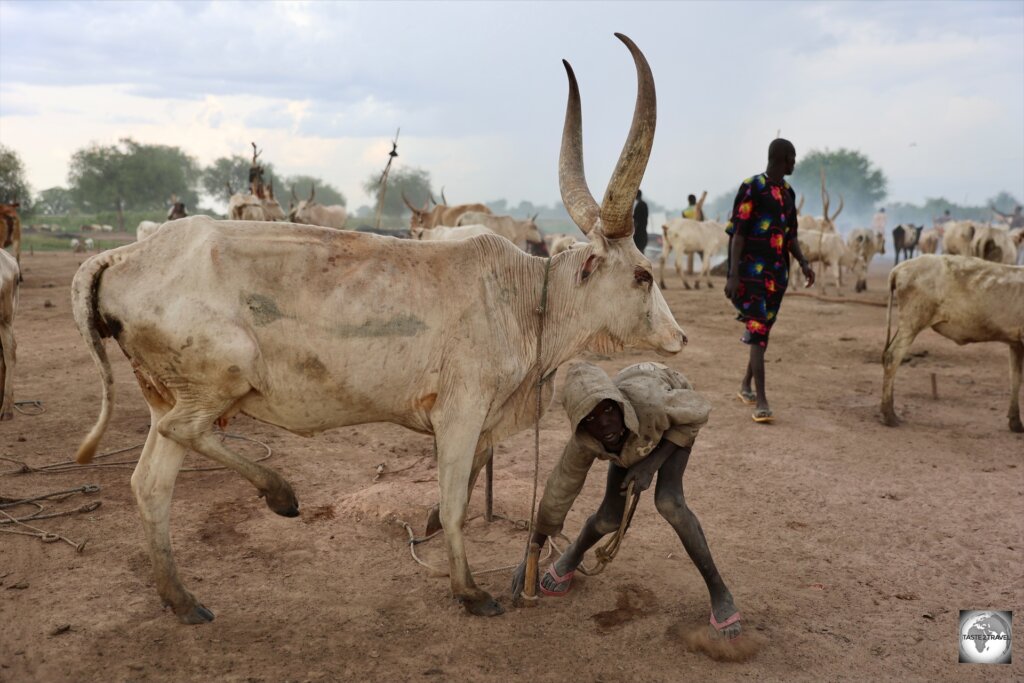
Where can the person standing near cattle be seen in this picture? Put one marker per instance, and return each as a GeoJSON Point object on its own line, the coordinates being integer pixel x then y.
{"type": "Point", "coordinates": [644, 422]}
{"type": "Point", "coordinates": [640, 222]}
{"type": "Point", "coordinates": [762, 235]}
{"type": "Point", "coordinates": [878, 221]}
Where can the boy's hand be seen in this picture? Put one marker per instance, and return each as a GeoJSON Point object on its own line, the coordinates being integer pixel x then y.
{"type": "Point", "coordinates": [642, 473]}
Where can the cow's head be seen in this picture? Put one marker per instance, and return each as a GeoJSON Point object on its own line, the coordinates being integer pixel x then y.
{"type": "Point", "coordinates": [421, 218]}
{"type": "Point", "coordinates": [298, 209]}
{"type": "Point", "coordinates": [621, 304]}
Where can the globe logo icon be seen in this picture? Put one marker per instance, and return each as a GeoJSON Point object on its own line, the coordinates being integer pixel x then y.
{"type": "Point", "coordinates": [985, 637]}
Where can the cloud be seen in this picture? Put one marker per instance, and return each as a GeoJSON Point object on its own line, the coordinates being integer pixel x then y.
{"type": "Point", "coordinates": [479, 91]}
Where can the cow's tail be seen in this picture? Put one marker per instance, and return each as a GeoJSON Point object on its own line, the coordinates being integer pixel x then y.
{"type": "Point", "coordinates": [85, 307]}
{"type": "Point", "coordinates": [888, 310]}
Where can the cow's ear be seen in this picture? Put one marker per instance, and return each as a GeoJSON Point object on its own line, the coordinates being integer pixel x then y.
{"type": "Point", "coordinates": [592, 263]}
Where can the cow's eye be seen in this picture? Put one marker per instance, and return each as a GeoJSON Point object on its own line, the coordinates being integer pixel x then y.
{"type": "Point", "coordinates": [642, 276]}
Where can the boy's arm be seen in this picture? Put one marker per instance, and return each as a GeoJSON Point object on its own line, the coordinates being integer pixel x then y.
{"type": "Point", "coordinates": [643, 471]}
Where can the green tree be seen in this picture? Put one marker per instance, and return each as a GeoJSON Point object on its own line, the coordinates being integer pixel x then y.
{"type": "Point", "coordinates": [414, 182]}
{"type": "Point", "coordinates": [301, 185]}
{"type": "Point", "coordinates": [55, 201]}
{"type": "Point", "coordinates": [1004, 202]}
{"type": "Point", "coordinates": [848, 173]}
{"type": "Point", "coordinates": [13, 184]}
{"type": "Point", "coordinates": [130, 175]}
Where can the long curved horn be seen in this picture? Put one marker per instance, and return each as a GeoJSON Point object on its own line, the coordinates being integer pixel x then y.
{"type": "Point", "coordinates": [433, 201]}
{"type": "Point", "coordinates": [839, 210]}
{"type": "Point", "coordinates": [408, 203]}
{"type": "Point", "coordinates": [824, 195]}
{"type": "Point", "coordinates": [444, 200]}
{"type": "Point", "coordinates": [617, 207]}
{"type": "Point", "coordinates": [572, 182]}
{"type": "Point", "coordinates": [295, 197]}
{"type": "Point", "coordinates": [800, 206]}
{"type": "Point", "coordinates": [312, 192]}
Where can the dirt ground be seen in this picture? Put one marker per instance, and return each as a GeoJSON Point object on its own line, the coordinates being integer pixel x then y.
{"type": "Point", "coordinates": [849, 546]}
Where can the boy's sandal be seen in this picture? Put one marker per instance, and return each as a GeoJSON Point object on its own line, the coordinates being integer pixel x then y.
{"type": "Point", "coordinates": [719, 627]}
{"type": "Point", "coordinates": [748, 397]}
{"type": "Point", "coordinates": [558, 580]}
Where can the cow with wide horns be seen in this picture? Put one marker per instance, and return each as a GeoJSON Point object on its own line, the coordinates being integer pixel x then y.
{"type": "Point", "coordinates": [310, 329]}
{"type": "Point", "coordinates": [440, 214]}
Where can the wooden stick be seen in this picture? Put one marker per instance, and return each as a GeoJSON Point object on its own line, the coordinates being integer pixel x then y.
{"type": "Point", "coordinates": [935, 387]}
{"type": "Point", "coordinates": [530, 589]}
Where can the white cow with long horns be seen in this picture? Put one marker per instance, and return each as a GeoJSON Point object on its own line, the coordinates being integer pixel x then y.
{"type": "Point", "coordinates": [310, 329]}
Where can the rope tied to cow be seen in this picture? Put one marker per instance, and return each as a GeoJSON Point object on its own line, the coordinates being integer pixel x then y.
{"type": "Point", "coordinates": [36, 407]}
{"type": "Point", "coordinates": [69, 465]}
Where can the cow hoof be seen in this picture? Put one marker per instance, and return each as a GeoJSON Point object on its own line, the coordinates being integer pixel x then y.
{"type": "Point", "coordinates": [197, 615]}
{"type": "Point", "coordinates": [696, 285]}
{"type": "Point", "coordinates": [686, 285]}
{"type": "Point", "coordinates": [1016, 425]}
{"type": "Point", "coordinates": [483, 607]}
{"type": "Point", "coordinates": [890, 420]}
{"type": "Point", "coordinates": [662, 285]}
{"type": "Point", "coordinates": [6, 416]}
{"type": "Point", "coordinates": [282, 500]}
{"type": "Point", "coordinates": [433, 522]}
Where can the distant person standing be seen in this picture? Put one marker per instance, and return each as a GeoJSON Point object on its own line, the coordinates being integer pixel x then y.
{"type": "Point", "coordinates": [1015, 219]}
{"type": "Point", "coordinates": [762, 235]}
{"type": "Point", "coordinates": [640, 222]}
{"type": "Point", "coordinates": [691, 210]}
{"type": "Point", "coordinates": [878, 221]}
{"type": "Point", "coordinates": [940, 222]}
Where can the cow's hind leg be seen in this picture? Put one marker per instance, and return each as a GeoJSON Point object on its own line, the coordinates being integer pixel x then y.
{"type": "Point", "coordinates": [6, 372]}
{"type": "Point", "coordinates": [190, 424]}
{"type": "Point", "coordinates": [891, 359]}
{"type": "Point", "coordinates": [153, 486]}
{"type": "Point", "coordinates": [457, 440]}
{"type": "Point", "coordinates": [1016, 368]}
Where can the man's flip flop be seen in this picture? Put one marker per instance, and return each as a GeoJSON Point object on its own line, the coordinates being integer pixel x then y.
{"type": "Point", "coordinates": [762, 416]}
{"type": "Point", "coordinates": [748, 397]}
{"type": "Point", "coordinates": [558, 580]}
{"type": "Point", "coordinates": [719, 627]}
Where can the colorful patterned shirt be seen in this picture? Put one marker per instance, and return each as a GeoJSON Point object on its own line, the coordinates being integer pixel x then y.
{"type": "Point", "coordinates": [765, 214]}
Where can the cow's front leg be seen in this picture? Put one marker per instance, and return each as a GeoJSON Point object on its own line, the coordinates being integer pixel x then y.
{"type": "Point", "coordinates": [1016, 367]}
{"type": "Point", "coordinates": [456, 446]}
{"type": "Point", "coordinates": [434, 515]}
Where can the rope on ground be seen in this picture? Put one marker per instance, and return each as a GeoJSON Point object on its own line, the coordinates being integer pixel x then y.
{"type": "Point", "coordinates": [41, 513]}
{"type": "Point", "coordinates": [606, 552]}
{"type": "Point", "coordinates": [836, 299]}
{"type": "Point", "coordinates": [71, 465]}
{"type": "Point", "coordinates": [37, 407]}
{"type": "Point", "coordinates": [519, 524]}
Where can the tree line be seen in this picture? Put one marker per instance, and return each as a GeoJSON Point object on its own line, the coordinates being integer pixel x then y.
{"type": "Point", "coordinates": [132, 176]}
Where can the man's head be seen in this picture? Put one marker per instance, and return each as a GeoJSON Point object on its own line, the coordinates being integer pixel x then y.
{"type": "Point", "coordinates": [605, 423]}
{"type": "Point", "coordinates": [1016, 212]}
{"type": "Point", "coordinates": [692, 199]}
{"type": "Point", "coordinates": [882, 210]}
{"type": "Point", "coordinates": [946, 212]}
{"type": "Point", "coordinates": [782, 155]}
{"type": "Point", "coordinates": [639, 195]}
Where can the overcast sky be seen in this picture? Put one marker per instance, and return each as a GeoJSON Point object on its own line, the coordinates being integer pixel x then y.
{"type": "Point", "coordinates": [933, 93]}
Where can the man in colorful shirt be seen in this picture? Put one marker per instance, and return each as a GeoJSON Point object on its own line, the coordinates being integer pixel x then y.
{"type": "Point", "coordinates": [762, 235]}
{"type": "Point", "coordinates": [644, 422]}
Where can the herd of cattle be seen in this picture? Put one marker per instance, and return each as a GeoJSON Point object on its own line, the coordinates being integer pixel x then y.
{"type": "Point", "coordinates": [310, 327]}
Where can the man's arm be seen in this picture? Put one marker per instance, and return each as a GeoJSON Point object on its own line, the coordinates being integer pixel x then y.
{"type": "Point", "coordinates": [805, 268]}
{"type": "Point", "coordinates": [642, 473]}
{"type": "Point", "coordinates": [732, 281]}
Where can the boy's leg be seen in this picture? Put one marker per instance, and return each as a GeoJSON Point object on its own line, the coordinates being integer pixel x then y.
{"type": "Point", "coordinates": [669, 499]}
{"type": "Point", "coordinates": [602, 522]}
{"type": "Point", "coordinates": [756, 368]}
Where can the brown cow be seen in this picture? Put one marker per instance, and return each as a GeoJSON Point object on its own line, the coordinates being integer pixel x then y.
{"type": "Point", "coordinates": [10, 231]}
{"type": "Point", "coordinates": [441, 214]}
